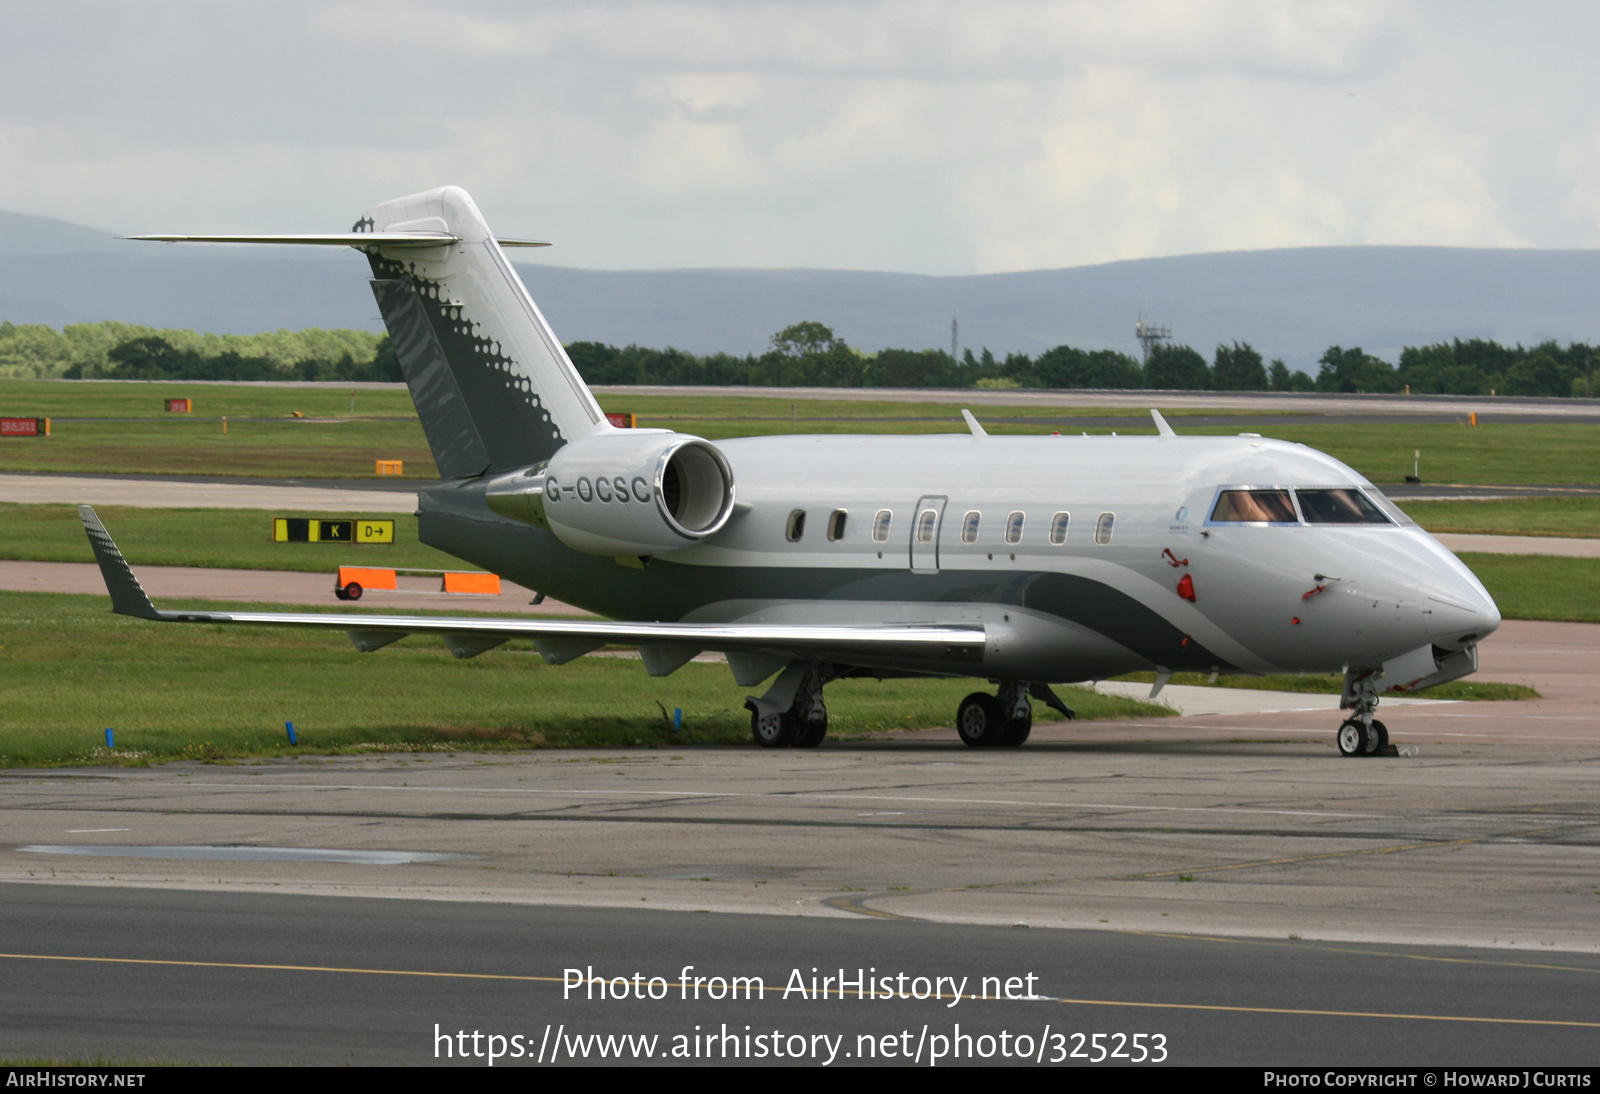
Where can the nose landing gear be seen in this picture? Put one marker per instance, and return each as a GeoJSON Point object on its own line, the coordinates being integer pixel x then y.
{"type": "Point", "coordinates": [1362, 734]}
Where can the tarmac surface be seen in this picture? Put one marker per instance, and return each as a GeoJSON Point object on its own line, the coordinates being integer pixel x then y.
{"type": "Point", "coordinates": [275, 979]}
{"type": "Point", "coordinates": [152, 492]}
{"type": "Point", "coordinates": [1489, 837]}
{"type": "Point", "coordinates": [1224, 883]}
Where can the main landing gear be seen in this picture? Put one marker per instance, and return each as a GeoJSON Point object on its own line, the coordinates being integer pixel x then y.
{"type": "Point", "coordinates": [1362, 734]}
{"type": "Point", "coordinates": [1006, 719]}
{"type": "Point", "coordinates": [791, 714]}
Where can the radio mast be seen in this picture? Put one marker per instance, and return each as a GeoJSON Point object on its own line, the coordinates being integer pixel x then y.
{"type": "Point", "coordinates": [1151, 335]}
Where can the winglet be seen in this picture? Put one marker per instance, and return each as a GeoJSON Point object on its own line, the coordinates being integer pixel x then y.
{"type": "Point", "coordinates": [127, 595]}
{"type": "Point", "coordinates": [1161, 424]}
{"type": "Point", "coordinates": [972, 424]}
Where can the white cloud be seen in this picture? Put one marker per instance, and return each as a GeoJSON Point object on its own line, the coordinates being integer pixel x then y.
{"type": "Point", "coordinates": [923, 37]}
{"type": "Point", "coordinates": [1417, 183]}
{"type": "Point", "coordinates": [926, 135]}
{"type": "Point", "coordinates": [1579, 160]}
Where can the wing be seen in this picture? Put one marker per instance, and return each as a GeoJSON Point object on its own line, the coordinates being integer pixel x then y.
{"type": "Point", "coordinates": [664, 646]}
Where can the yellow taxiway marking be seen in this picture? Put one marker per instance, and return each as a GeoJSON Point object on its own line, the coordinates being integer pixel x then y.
{"type": "Point", "coordinates": [275, 968]}
{"type": "Point", "coordinates": [1223, 1007]}
{"type": "Point", "coordinates": [1391, 954]}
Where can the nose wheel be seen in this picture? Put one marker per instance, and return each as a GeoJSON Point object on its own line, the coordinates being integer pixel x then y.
{"type": "Point", "coordinates": [1362, 734]}
{"type": "Point", "coordinates": [1358, 739]}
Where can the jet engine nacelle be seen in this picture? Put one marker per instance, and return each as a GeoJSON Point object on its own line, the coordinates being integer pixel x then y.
{"type": "Point", "coordinates": [632, 493]}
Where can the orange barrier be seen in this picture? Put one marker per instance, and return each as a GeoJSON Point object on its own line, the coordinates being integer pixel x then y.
{"type": "Point", "coordinates": [389, 467]}
{"type": "Point", "coordinates": [353, 581]}
{"type": "Point", "coordinates": [367, 578]}
{"type": "Point", "coordinates": [488, 584]}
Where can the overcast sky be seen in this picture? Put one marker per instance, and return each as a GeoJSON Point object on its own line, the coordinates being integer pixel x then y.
{"type": "Point", "coordinates": [907, 135]}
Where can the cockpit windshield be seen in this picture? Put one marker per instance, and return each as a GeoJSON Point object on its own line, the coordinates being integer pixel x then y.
{"type": "Point", "coordinates": [1302, 504]}
{"type": "Point", "coordinates": [1254, 507]}
{"type": "Point", "coordinates": [1339, 507]}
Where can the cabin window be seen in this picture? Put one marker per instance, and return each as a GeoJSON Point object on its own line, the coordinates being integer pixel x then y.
{"type": "Point", "coordinates": [927, 521]}
{"type": "Point", "coordinates": [1104, 527]}
{"type": "Point", "coordinates": [1058, 528]}
{"type": "Point", "coordinates": [797, 526]}
{"type": "Point", "coordinates": [1339, 507]}
{"type": "Point", "coordinates": [880, 525]}
{"type": "Point", "coordinates": [1014, 528]}
{"type": "Point", "coordinates": [969, 527]}
{"type": "Point", "coordinates": [836, 525]}
{"type": "Point", "coordinates": [1254, 507]}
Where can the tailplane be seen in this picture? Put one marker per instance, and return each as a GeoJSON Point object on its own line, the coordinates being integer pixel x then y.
{"type": "Point", "coordinates": [494, 388]}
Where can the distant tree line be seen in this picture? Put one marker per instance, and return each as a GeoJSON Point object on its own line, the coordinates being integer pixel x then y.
{"type": "Point", "coordinates": [85, 350]}
{"type": "Point", "coordinates": [811, 355]}
{"type": "Point", "coordinates": [154, 358]}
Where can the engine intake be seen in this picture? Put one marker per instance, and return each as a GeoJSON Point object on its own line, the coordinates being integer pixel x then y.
{"type": "Point", "coordinates": [637, 493]}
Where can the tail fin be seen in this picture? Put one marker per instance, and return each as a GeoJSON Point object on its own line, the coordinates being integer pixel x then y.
{"type": "Point", "coordinates": [494, 388]}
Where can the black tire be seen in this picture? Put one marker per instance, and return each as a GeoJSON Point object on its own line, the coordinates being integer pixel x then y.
{"type": "Point", "coordinates": [1382, 732]}
{"type": "Point", "coordinates": [338, 592]}
{"type": "Point", "coordinates": [1352, 739]}
{"type": "Point", "coordinates": [978, 720]}
{"type": "Point", "coordinates": [773, 731]}
{"type": "Point", "coordinates": [352, 591]}
{"type": "Point", "coordinates": [810, 733]}
{"type": "Point", "coordinates": [1016, 731]}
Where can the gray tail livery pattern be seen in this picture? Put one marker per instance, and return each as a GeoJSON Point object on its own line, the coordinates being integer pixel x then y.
{"type": "Point", "coordinates": [494, 388]}
{"type": "Point", "coordinates": [127, 595]}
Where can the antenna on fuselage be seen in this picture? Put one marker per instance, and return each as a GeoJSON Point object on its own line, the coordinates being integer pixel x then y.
{"type": "Point", "coordinates": [1161, 424]}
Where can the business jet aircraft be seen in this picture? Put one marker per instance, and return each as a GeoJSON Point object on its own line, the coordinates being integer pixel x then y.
{"type": "Point", "coordinates": [1025, 561]}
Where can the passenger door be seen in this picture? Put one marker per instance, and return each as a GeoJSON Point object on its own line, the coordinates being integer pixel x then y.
{"type": "Point", "coordinates": [926, 521]}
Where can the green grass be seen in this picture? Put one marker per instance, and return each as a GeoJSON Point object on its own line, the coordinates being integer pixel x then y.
{"type": "Point", "coordinates": [1318, 684]}
{"type": "Point", "coordinates": [384, 426]}
{"type": "Point", "coordinates": [1540, 586]}
{"type": "Point", "coordinates": [227, 538]}
{"type": "Point", "coordinates": [69, 669]}
{"type": "Point", "coordinates": [1493, 453]}
{"type": "Point", "coordinates": [285, 448]}
{"type": "Point", "coordinates": [1553, 516]}
{"type": "Point", "coordinates": [92, 399]}
{"type": "Point", "coordinates": [777, 413]}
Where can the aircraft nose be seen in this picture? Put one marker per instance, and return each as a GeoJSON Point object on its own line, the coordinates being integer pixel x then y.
{"type": "Point", "coordinates": [1461, 611]}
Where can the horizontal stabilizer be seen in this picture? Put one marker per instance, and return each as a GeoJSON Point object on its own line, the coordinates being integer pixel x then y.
{"type": "Point", "coordinates": [342, 239]}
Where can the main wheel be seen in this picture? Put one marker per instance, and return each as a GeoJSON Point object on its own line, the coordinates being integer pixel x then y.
{"type": "Point", "coordinates": [1352, 738]}
{"type": "Point", "coordinates": [339, 593]}
{"type": "Point", "coordinates": [352, 591]}
{"type": "Point", "coordinates": [771, 730]}
{"type": "Point", "coordinates": [979, 720]}
{"type": "Point", "coordinates": [810, 732]}
{"type": "Point", "coordinates": [1016, 731]}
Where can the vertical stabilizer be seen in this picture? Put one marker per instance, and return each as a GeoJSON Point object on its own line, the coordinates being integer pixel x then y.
{"type": "Point", "coordinates": [494, 388]}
